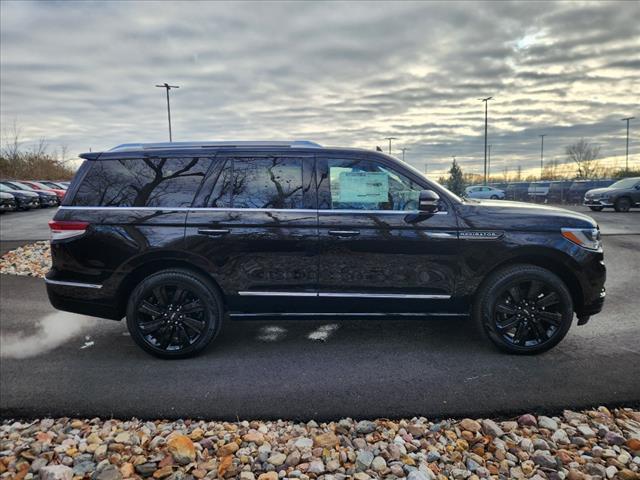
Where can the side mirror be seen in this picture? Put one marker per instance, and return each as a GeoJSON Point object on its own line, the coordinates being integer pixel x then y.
{"type": "Point", "coordinates": [428, 201]}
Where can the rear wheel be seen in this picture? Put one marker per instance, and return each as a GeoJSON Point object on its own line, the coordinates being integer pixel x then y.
{"type": "Point", "coordinates": [623, 204]}
{"type": "Point", "coordinates": [494, 197]}
{"type": "Point", "coordinates": [524, 309]}
{"type": "Point", "coordinates": [174, 314]}
{"type": "Point", "coordinates": [596, 209]}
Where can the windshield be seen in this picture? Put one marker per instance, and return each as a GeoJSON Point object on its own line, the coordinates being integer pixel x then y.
{"type": "Point", "coordinates": [625, 183]}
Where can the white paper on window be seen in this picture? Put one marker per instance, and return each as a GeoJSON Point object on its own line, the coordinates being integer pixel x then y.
{"type": "Point", "coordinates": [363, 187]}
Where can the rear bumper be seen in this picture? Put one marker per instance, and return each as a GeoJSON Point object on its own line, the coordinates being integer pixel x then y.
{"type": "Point", "coordinates": [82, 298]}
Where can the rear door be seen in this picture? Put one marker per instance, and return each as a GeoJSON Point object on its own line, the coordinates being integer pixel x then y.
{"type": "Point", "coordinates": [376, 252]}
{"type": "Point", "coordinates": [254, 226]}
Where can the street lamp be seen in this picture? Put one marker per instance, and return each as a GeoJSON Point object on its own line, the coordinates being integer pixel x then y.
{"type": "Point", "coordinates": [168, 87]}
{"type": "Point", "coordinates": [486, 111]}
{"type": "Point", "coordinates": [390, 138]}
{"type": "Point", "coordinates": [404, 149]}
{"type": "Point", "coordinates": [627, 120]}
{"type": "Point", "coordinates": [541, 152]}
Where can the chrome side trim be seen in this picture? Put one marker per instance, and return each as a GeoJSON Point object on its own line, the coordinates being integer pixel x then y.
{"type": "Point", "coordinates": [347, 314]}
{"type": "Point", "coordinates": [382, 295]}
{"type": "Point", "coordinates": [342, 295]}
{"type": "Point", "coordinates": [276, 294]}
{"type": "Point", "coordinates": [290, 210]}
{"type": "Point", "coordinates": [72, 284]}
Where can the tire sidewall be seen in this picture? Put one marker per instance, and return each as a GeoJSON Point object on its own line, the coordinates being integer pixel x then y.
{"type": "Point", "coordinates": [199, 286]}
{"type": "Point", "coordinates": [622, 205]}
{"type": "Point", "coordinates": [498, 282]}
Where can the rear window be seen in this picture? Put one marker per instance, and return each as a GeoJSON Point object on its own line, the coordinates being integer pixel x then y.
{"type": "Point", "coordinates": [148, 182]}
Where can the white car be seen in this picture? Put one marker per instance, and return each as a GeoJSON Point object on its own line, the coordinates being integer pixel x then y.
{"type": "Point", "coordinates": [484, 191]}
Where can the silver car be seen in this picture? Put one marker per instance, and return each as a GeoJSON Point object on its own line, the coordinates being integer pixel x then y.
{"type": "Point", "coordinates": [484, 191]}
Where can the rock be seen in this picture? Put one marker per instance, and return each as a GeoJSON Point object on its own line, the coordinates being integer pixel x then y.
{"type": "Point", "coordinates": [633, 444]}
{"type": "Point", "coordinates": [182, 449]}
{"type": "Point", "coordinates": [396, 469]}
{"type": "Point", "coordinates": [626, 474]}
{"type": "Point", "coordinates": [611, 471]}
{"type": "Point", "coordinates": [527, 420]}
{"type": "Point", "coordinates": [363, 459]}
{"type": "Point", "coordinates": [109, 472]}
{"type": "Point", "coordinates": [293, 459]}
{"type": "Point", "coordinates": [586, 431]}
{"type": "Point", "coordinates": [547, 422]}
{"type": "Point", "coordinates": [316, 467]}
{"type": "Point", "coordinates": [146, 469]}
{"type": "Point", "coordinates": [417, 475]}
{"type": "Point", "coordinates": [545, 461]}
{"type": "Point", "coordinates": [575, 475]}
{"type": "Point", "coordinates": [560, 436]}
{"type": "Point", "coordinates": [595, 469]}
{"type": "Point", "coordinates": [379, 464]}
{"type": "Point", "coordinates": [361, 476]}
{"type": "Point", "coordinates": [470, 425]}
{"type": "Point", "coordinates": [303, 443]}
{"type": "Point", "coordinates": [490, 427]}
{"type": "Point", "coordinates": [247, 476]}
{"type": "Point", "coordinates": [37, 464]}
{"type": "Point", "coordinates": [268, 476]}
{"type": "Point", "coordinates": [227, 449]}
{"type": "Point", "coordinates": [56, 472]}
{"type": "Point", "coordinates": [127, 470]}
{"type": "Point", "coordinates": [277, 459]}
{"type": "Point", "coordinates": [509, 426]}
{"type": "Point", "coordinates": [540, 444]}
{"type": "Point", "coordinates": [164, 472]}
{"type": "Point", "coordinates": [253, 437]}
{"type": "Point", "coordinates": [613, 438]}
{"type": "Point", "coordinates": [326, 440]}
{"type": "Point", "coordinates": [365, 426]}
{"type": "Point", "coordinates": [83, 468]}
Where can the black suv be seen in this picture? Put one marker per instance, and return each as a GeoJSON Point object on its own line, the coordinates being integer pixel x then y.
{"type": "Point", "coordinates": [177, 236]}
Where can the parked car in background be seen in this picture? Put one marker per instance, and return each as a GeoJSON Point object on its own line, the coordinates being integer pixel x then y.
{"type": "Point", "coordinates": [580, 187]}
{"type": "Point", "coordinates": [558, 191]}
{"type": "Point", "coordinates": [518, 191]}
{"type": "Point", "coordinates": [538, 191]}
{"type": "Point", "coordinates": [176, 237]}
{"type": "Point", "coordinates": [7, 202]}
{"type": "Point", "coordinates": [25, 200]}
{"type": "Point", "coordinates": [40, 186]}
{"type": "Point", "coordinates": [49, 183]}
{"type": "Point", "coordinates": [47, 199]}
{"type": "Point", "coordinates": [484, 191]}
{"type": "Point", "coordinates": [621, 195]}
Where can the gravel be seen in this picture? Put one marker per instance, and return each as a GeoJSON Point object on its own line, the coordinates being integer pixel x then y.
{"type": "Point", "coordinates": [604, 444]}
{"type": "Point", "coordinates": [33, 260]}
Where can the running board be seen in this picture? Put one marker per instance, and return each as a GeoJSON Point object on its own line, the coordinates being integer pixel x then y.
{"type": "Point", "coordinates": [345, 314]}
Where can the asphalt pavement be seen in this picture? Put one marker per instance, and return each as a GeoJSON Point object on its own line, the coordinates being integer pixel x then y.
{"type": "Point", "coordinates": [55, 363]}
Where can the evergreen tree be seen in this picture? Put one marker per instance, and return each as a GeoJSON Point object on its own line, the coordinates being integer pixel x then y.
{"type": "Point", "coordinates": [455, 182]}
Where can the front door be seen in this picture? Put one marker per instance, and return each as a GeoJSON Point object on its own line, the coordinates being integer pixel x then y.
{"type": "Point", "coordinates": [254, 225]}
{"type": "Point", "coordinates": [376, 252]}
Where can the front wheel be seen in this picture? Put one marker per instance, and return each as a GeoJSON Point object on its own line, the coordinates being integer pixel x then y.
{"type": "Point", "coordinates": [622, 204]}
{"type": "Point", "coordinates": [174, 314]}
{"type": "Point", "coordinates": [596, 209]}
{"type": "Point", "coordinates": [494, 197]}
{"type": "Point", "coordinates": [524, 309]}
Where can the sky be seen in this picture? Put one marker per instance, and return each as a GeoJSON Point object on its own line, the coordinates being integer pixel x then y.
{"type": "Point", "coordinates": [82, 75]}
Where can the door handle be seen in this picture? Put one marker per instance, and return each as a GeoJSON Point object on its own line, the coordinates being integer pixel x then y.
{"type": "Point", "coordinates": [344, 233]}
{"type": "Point", "coordinates": [213, 232]}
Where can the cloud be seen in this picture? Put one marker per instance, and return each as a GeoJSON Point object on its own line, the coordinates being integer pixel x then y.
{"type": "Point", "coordinates": [82, 74]}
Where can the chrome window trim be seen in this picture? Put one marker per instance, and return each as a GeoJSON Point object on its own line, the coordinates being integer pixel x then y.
{"type": "Point", "coordinates": [292, 210]}
{"type": "Point", "coordinates": [254, 293]}
{"type": "Point", "coordinates": [73, 284]}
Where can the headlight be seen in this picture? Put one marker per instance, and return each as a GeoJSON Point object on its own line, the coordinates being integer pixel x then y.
{"type": "Point", "coordinates": [588, 238]}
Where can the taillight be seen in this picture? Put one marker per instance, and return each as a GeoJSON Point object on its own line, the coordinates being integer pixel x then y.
{"type": "Point", "coordinates": [61, 229]}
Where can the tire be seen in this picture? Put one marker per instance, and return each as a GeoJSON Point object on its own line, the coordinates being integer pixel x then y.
{"type": "Point", "coordinates": [596, 209]}
{"type": "Point", "coordinates": [494, 197]}
{"type": "Point", "coordinates": [623, 204]}
{"type": "Point", "coordinates": [507, 320]}
{"type": "Point", "coordinates": [158, 309]}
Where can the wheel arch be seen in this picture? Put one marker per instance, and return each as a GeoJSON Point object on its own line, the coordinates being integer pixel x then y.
{"type": "Point", "coordinates": [156, 264]}
{"type": "Point", "coordinates": [554, 263]}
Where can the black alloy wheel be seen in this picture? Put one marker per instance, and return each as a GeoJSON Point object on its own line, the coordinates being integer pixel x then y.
{"type": "Point", "coordinates": [174, 314]}
{"type": "Point", "coordinates": [623, 204]}
{"type": "Point", "coordinates": [524, 309]}
{"type": "Point", "coordinates": [596, 209]}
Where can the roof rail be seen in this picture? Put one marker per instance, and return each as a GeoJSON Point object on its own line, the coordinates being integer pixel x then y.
{"type": "Point", "coordinates": [229, 144]}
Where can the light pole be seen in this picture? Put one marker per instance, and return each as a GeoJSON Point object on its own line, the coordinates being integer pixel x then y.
{"type": "Point", "coordinates": [541, 152]}
{"type": "Point", "coordinates": [390, 138]}
{"type": "Point", "coordinates": [486, 111]}
{"type": "Point", "coordinates": [404, 149]}
{"type": "Point", "coordinates": [168, 87]}
{"type": "Point", "coordinates": [489, 164]}
{"type": "Point", "coordinates": [627, 157]}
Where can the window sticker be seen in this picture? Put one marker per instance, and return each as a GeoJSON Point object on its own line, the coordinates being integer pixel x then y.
{"type": "Point", "coordinates": [363, 187]}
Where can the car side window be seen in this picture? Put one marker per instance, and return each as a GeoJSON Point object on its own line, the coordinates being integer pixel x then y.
{"type": "Point", "coordinates": [359, 184]}
{"type": "Point", "coordinates": [259, 182]}
{"type": "Point", "coordinates": [144, 182]}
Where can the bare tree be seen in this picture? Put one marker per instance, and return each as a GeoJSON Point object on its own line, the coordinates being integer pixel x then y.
{"type": "Point", "coordinates": [585, 156]}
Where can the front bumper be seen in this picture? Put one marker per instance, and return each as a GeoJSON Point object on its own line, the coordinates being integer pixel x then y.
{"type": "Point", "coordinates": [597, 202]}
{"type": "Point", "coordinates": [48, 201]}
{"type": "Point", "coordinates": [8, 206]}
{"type": "Point", "coordinates": [33, 203]}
